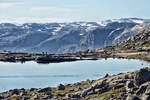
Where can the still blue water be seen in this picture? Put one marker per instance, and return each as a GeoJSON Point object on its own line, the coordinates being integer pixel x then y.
{"type": "Point", "coordinates": [33, 75]}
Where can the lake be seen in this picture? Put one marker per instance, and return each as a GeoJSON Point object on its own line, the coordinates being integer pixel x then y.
{"type": "Point", "coordinates": [34, 75]}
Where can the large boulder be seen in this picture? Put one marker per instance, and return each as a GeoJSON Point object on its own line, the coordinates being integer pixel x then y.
{"type": "Point", "coordinates": [142, 76]}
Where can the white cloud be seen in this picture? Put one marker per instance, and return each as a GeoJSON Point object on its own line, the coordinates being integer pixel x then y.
{"type": "Point", "coordinates": [51, 9]}
{"type": "Point", "coordinates": [5, 5]}
{"type": "Point", "coordinates": [32, 20]}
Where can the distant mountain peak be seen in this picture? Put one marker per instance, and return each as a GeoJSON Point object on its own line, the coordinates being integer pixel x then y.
{"type": "Point", "coordinates": [67, 37]}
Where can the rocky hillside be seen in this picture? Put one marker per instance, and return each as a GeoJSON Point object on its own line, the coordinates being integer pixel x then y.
{"type": "Point", "coordinates": [67, 37]}
{"type": "Point", "coordinates": [128, 86]}
{"type": "Point", "coordinates": [140, 42]}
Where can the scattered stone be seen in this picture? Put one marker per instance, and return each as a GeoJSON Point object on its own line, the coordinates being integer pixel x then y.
{"type": "Point", "coordinates": [129, 84]}
{"type": "Point", "coordinates": [106, 75]}
{"type": "Point", "coordinates": [85, 92]}
{"type": "Point", "coordinates": [76, 96]}
{"type": "Point", "coordinates": [44, 89]}
{"type": "Point", "coordinates": [132, 97]}
{"type": "Point", "coordinates": [126, 77]}
{"type": "Point", "coordinates": [142, 89]}
{"type": "Point", "coordinates": [47, 97]}
{"type": "Point", "coordinates": [22, 89]}
{"type": "Point", "coordinates": [118, 86]}
{"type": "Point", "coordinates": [15, 91]}
{"type": "Point", "coordinates": [61, 87]}
{"type": "Point", "coordinates": [148, 90]}
{"type": "Point", "coordinates": [32, 89]}
{"type": "Point", "coordinates": [36, 97]}
{"type": "Point", "coordinates": [25, 98]}
{"type": "Point", "coordinates": [23, 93]}
{"type": "Point", "coordinates": [61, 95]}
{"type": "Point", "coordinates": [1, 97]}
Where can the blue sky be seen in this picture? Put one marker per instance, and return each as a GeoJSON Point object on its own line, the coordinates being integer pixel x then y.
{"type": "Point", "coordinates": [71, 10]}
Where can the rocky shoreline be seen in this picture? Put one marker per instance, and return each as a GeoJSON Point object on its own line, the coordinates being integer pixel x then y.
{"type": "Point", "coordinates": [124, 86]}
{"type": "Point", "coordinates": [45, 58]}
{"type": "Point", "coordinates": [85, 55]}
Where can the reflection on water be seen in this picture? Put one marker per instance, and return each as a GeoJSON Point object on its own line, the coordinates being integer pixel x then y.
{"type": "Point", "coordinates": [31, 74]}
{"type": "Point", "coordinates": [39, 76]}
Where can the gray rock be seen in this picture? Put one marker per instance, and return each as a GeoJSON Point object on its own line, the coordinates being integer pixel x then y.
{"type": "Point", "coordinates": [106, 75]}
{"type": "Point", "coordinates": [126, 77]}
{"type": "Point", "coordinates": [23, 93]}
{"type": "Point", "coordinates": [61, 87]}
{"type": "Point", "coordinates": [1, 97]}
{"type": "Point", "coordinates": [147, 91]}
{"type": "Point", "coordinates": [120, 85]}
{"type": "Point", "coordinates": [44, 89]}
{"type": "Point", "coordinates": [36, 97]}
{"type": "Point", "coordinates": [74, 96]}
{"type": "Point", "coordinates": [97, 90]}
{"type": "Point", "coordinates": [25, 98]}
{"type": "Point", "coordinates": [61, 95]}
{"type": "Point", "coordinates": [129, 84]}
{"type": "Point", "coordinates": [142, 76]}
{"type": "Point", "coordinates": [22, 89]}
{"type": "Point", "coordinates": [142, 89]}
{"type": "Point", "coordinates": [145, 97]}
{"type": "Point", "coordinates": [85, 92]}
{"type": "Point", "coordinates": [132, 97]}
{"type": "Point", "coordinates": [32, 89]}
{"type": "Point", "coordinates": [97, 99]}
{"type": "Point", "coordinates": [47, 97]}
{"type": "Point", "coordinates": [15, 91]}
{"type": "Point", "coordinates": [48, 93]}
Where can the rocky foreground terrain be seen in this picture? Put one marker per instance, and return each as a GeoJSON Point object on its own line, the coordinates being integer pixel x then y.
{"type": "Point", "coordinates": [124, 86]}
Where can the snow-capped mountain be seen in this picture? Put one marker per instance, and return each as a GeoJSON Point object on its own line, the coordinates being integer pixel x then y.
{"type": "Point", "coordinates": [67, 37]}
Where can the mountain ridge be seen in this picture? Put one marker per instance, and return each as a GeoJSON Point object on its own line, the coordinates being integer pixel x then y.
{"type": "Point", "coordinates": [67, 37]}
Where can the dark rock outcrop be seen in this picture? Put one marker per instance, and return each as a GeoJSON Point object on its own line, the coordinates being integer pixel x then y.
{"type": "Point", "coordinates": [142, 76]}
